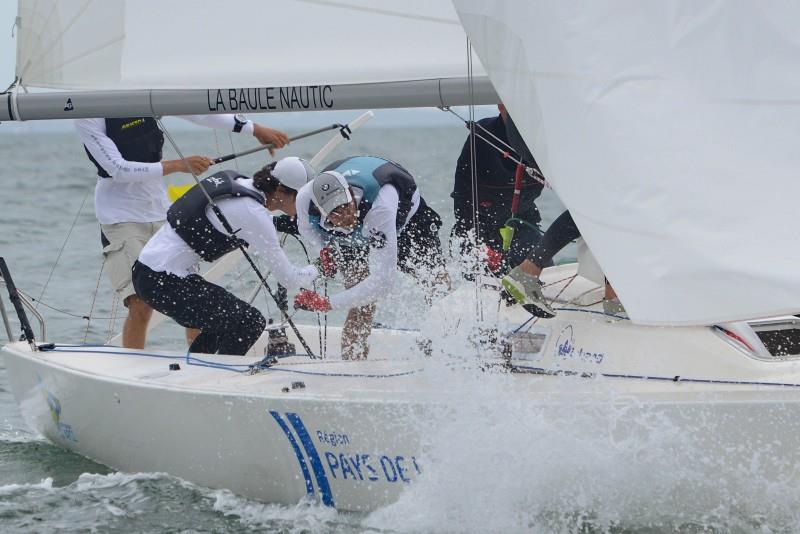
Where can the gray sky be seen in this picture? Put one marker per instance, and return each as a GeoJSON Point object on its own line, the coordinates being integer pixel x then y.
{"type": "Point", "coordinates": [383, 118]}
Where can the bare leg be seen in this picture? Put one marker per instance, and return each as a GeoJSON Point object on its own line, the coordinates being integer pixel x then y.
{"type": "Point", "coordinates": [358, 325]}
{"type": "Point", "coordinates": [191, 334]}
{"type": "Point", "coordinates": [531, 268]}
{"type": "Point", "coordinates": [609, 292]}
{"type": "Point", "coordinates": [611, 303]}
{"type": "Point", "coordinates": [134, 331]}
{"type": "Point", "coordinates": [355, 333]}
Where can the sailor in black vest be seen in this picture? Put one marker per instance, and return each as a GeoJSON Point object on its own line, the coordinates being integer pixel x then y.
{"type": "Point", "coordinates": [131, 198]}
{"type": "Point", "coordinates": [522, 282]}
{"type": "Point", "coordinates": [495, 176]}
{"type": "Point", "coordinates": [165, 274]}
{"type": "Point", "coordinates": [365, 217]}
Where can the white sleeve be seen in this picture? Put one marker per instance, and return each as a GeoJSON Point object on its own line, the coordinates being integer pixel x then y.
{"type": "Point", "coordinates": [258, 229]}
{"type": "Point", "coordinates": [380, 226]}
{"type": "Point", "coordinates": [310, 234]}
{"type": "Point", "coordinates": [92, 133]}
{"type": "Point", "coordinates": [219, 122]}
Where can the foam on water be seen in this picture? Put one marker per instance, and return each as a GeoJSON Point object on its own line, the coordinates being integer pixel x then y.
{"type": "Point", "coordinates": [10, 489]}
{"type": "Point", "coordinates": [504, 464]}
{"type": "Point", "coordinates": [153, 502]}
{"type": "Point", "coordinates": [306, 516]}
{"type": "Point", "coordinates": [507, 468]}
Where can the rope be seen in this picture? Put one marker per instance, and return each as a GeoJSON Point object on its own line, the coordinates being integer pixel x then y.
{"type": "Point", "coordinates": [229, 229]}
{"type": "Point", "coordinates": [325, 327]}
{"type": "Point", "coordinates": [322, 341]}
{"type": "Point", "coordinates": [94, 299]}
{"type": "Point", "coordinates": [570, 278]}
{"type": "Point", "coordinates": [59, 310]}
{"type": "Point", "coordinates": [63, 245]}
{"type": "Point", "coordinates": [237, 368]}
{"type": "Point", "coordinates": [509, 154]}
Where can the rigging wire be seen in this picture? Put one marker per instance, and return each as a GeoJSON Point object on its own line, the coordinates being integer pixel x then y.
{"type": "Point", "coordinates": [474, 175]}
{"type": "Point", "coordinates": [322, 329]}
{"type": "Point", "coordinates": [112, 323]}
{"type": "Point", "coordinates": [233, 150]}
{"type": "Point", "coordinates": [63, 245]}
{"type": "Point", "coordinates": [509, 153]}
{"type": "Point", "coordinates": [94, 299]}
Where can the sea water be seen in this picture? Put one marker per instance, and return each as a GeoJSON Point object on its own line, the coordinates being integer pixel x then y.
{"type": "Point", "coordinates": [565, 474]}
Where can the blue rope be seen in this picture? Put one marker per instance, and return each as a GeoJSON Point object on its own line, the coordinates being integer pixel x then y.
{"type": "Point", "coordinates": [236, 368]}
{"type": "Point", "coordinates": [71, 348]}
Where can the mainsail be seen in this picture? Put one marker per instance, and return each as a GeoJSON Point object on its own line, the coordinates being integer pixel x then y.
{"type": "Point", "coordinates": [204, 56]}
{"type": "Point", "coordinates": [669, 130]}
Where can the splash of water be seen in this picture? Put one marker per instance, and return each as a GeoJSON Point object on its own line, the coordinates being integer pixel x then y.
{"type": "Point", "coordinates": [563, 454]}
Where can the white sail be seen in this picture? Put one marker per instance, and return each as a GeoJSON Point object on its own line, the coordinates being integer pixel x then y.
{"type": "Point", "coordinates": [184, 57]}
{"type": "Point", "coordinates": [199, 44]}
{"type": "Point", "coordinates": [669, 130]}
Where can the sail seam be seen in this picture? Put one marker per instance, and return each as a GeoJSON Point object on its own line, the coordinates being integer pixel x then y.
{"type": "Point", "coordinates": [397, 14]}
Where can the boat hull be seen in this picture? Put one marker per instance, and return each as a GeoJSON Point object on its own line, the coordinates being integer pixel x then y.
{"type": "Point", "coordinates": [359, 448]}
{"type": "Point", "coordinates": [271, 448]}
{"type": "Point", "coordinates": [583, 392]}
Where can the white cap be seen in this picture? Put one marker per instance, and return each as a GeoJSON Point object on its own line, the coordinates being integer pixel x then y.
{"type": "Point", "coordinates": [330, 190]}
{"type": "Point", "coordinates": [293, 172]}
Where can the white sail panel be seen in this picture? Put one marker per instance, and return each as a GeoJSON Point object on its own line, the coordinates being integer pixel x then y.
{"type": "Point", "coordinates": [669, 130]}
{"type": "Point", "coordinates": [198, 44]}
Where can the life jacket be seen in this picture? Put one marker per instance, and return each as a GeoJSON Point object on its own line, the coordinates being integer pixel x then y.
{"type": "Point", "coordinates": [137, 139]}
{"type": "Point", "coordinates": [187, 215]}
{"type": "Point", "coordinates": [368, 174]}
{"type": "Point", "coordinates": [495, 176]}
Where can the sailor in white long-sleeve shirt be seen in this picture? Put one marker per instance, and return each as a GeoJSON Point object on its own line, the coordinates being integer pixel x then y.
{"type": "Point", "coordinates": [131, 198]}
{"type": "Point", "coordinates": [165, 274]}
{"type": "Point", "coordinates": [365, 217]}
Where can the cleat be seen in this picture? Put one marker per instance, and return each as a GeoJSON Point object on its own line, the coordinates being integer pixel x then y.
{"type": "Point", "coordinates": [278, 344]}
{"type": "Point", "coordinates": [527, 291]}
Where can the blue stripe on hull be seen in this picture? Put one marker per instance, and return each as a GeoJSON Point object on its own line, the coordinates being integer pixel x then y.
{"type": "Point", "coordinates": [316, 462]}
{"type": "Point", "coordinates": [297, 451]}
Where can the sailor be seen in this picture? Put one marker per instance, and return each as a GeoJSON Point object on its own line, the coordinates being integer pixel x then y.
{"type": "Point", "coordinates": [165, 275]}
{"type": "Point", "coordinates": [522, 282]}
{"type": "Point", "coordinates": [495, 175]}
{"type": "Point", "coordinates": [365, 217]}
{"type": "Point", "coordinates": [131, 198]}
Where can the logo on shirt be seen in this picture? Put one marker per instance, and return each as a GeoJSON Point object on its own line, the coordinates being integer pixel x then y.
{"type": "Point", "coordinates": [131, 124]}
{"type": "Point", "coordinates": [377, 239]}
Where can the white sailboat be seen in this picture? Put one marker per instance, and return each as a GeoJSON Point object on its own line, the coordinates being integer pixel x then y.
{"type": "Point", "coordinates": [637, 120]}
